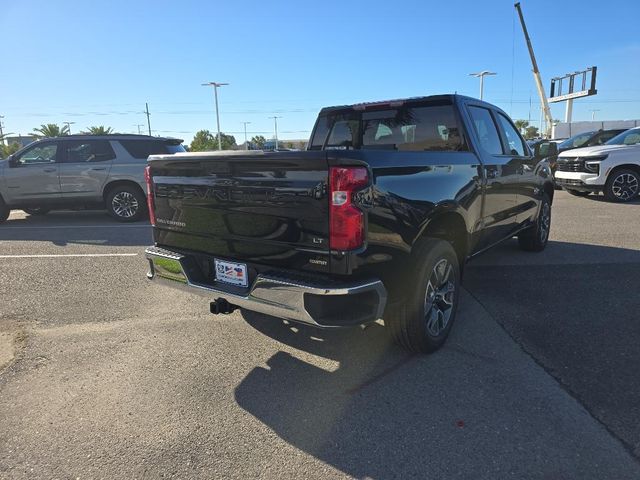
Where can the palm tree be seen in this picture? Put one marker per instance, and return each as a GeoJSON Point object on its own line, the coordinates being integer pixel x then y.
{"type": "Point", "coordinates": [521, 125]}
{"type": "Point", "coordinates": [100, 130]}
{"type": "Point", "coordinates": [51, 130]}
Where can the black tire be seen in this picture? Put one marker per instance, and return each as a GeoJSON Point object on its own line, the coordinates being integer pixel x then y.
{"type": "Point", "coordinates": [577, 193]}
{"type": "Point", "coordinates": [622, 185]}
{"type": "Point", "coordinates": [37, 210]}
{"type": "Point", "coordinates": [4, 211]}
{"type": "Point", "coordinates": [422, 320]}
{"type": "Point", "coordinates": [126, 203]}
{"type": "Point", "coordinates": [535, 239]}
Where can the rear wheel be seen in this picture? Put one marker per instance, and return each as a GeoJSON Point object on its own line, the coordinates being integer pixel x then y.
{"type": "Point", "coordinates": [535, 239]}
{"type": "Point", "coordinates": [423, 320]}
{"type": "Point", "coordinates": [577, 193]}
{"type": "Point", "coordinates": [622, 186]}
{"type": "Point", "coordinates": [37, 210]}
{"type": "Point", "coordinates": [126, 204]}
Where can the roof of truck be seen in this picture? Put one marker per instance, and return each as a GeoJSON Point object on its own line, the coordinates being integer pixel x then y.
{"type": "Point", "coordinates": [397, 102]}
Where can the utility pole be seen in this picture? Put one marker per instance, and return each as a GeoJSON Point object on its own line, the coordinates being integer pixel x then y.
{"type": "Point", "coordinates": [275, 122]}
{"type": "Point", "coordinates": [593, 116]}
{"type": "Point", "coordinates": [536, 72]}
{"type": "Point", "coordinates": [68, 124]}
{"type": "Point", "coordinates": [481, 75]}
{"type": "Point", "coordinates": [246, 143]}
{"type": "Point", "coordinates": [139, 125]}
{"type": "Point", "coordinates": [1, 134]}
{"type": "Point", "coordinates": [215, 86]}
{"type": "Point", "coordinates": [148, 116]}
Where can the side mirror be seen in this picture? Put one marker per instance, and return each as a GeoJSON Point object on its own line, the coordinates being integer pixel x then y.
{"type": "Point", "coordinates": [12, 161]}
{"type": "Point", "coordinates": [545, 149]}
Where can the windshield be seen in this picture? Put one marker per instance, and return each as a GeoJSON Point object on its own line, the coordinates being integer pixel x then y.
{"type": "Point", "coordinates": [630, 137]}
{"type": "Point", "coordinates": [576, 141]}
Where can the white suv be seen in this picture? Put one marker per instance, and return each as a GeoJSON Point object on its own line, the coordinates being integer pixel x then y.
{"type": "Point", "coordinates": [612, 168]}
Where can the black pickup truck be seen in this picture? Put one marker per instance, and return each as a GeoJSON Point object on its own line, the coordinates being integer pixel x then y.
{"type": "Point", "coordinates": [375, 220]}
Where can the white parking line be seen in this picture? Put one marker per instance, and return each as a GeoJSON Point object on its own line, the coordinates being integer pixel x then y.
{"type": "Point", "coordinates": [72, 255]}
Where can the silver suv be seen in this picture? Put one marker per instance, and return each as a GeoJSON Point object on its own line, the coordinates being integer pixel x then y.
{"type": "Point", "coordinates": [81, 171]}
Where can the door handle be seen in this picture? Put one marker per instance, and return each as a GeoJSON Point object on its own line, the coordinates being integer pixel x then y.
{"type": "Point", "coordinates": [49, 169]}
{"type": "Point", "coordinates": [98, 169]}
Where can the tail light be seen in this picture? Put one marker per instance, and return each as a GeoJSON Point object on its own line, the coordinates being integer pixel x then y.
{"type": "Point", "coordinates": [150, 202]}
{"type": "Point", "coordinates": [346, 221]}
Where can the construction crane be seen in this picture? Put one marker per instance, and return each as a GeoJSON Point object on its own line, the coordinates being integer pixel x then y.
{"type": "Point", "coordinates": [536, 74]}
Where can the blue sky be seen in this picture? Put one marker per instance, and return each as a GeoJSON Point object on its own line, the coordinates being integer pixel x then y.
{"type": "Point", "coordinates": [97, 63]}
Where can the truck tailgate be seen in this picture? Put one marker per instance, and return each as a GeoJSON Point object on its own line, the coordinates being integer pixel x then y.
{"type": "Point", "coordinates": [266, 208]}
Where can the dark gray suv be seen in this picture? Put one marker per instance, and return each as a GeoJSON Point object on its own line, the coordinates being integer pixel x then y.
{"type": "Point", "coordinates": [81, 171]}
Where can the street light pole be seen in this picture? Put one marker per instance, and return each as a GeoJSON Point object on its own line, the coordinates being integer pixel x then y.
{"type": "Point", "coordinates": [215, 86]}
{"type": "Point", "coordinates": [246, 143]}
{"type": "Point", "coordinates": [275, 123]}
{"type": "Point", "coordinates": [68, 124]}
{"type": "Point", "coordinates": [1, 134]}
{"type": "Point", "coordinates": [481, 75]}
{"type": "Point", "coordinates": [593, 114]}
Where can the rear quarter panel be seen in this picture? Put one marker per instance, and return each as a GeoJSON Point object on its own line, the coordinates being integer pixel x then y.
{"type": "Point", "coordinates": [409, 190]}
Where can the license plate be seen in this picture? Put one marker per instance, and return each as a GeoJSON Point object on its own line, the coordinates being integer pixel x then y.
{"type": "Point", "coordinates": [231, 272]}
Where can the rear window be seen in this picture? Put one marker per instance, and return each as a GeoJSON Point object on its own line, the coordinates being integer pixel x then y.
{"type": "Point", "coordinates": [406, 128]}
{"type": "Point", "coordinates": [143, 148]}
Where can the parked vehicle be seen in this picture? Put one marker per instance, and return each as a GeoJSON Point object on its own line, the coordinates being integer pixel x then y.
{"type": "Point", "coordinates": [81, 171]}
{"type": "Point", "coordinates": [376, 219]}
{"type": "Point", "coordinates": [593, 138]}
{"type": "Point", "coordinates": [613, 168]}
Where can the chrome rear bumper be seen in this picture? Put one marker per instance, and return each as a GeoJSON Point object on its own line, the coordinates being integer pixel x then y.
{"type": "Point", "coordinates": [319, 304]}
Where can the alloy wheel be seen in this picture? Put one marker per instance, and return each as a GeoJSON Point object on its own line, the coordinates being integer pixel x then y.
{"type": "Point", "coordinates": [625, 186]}
{"type": "Point", "coordinates": [125, 204]}
{"type": "Point", "coordinates": [439, 297]}
{"type": "Point", "coordinates": [545, 222]}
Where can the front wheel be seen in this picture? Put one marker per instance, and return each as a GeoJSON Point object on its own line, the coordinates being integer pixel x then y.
{"type": "Point", "coordinates": [422, 321]}
{"type": "Point", "coordinates": [37, 210]}
{"type": "Point", "coordinates": [535, 239]}
{"type": "Point", "coordinates": [577, 193]}
{"type": "Point", "coordinates": [622, 186]}
{"type": "Point", "coordinates": [126, 204]}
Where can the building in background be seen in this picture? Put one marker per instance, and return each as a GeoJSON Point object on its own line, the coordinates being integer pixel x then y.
{"type": "Point", "coordinates": [566, 130]}
{"type": "Point", "coordinates": [22, 140]}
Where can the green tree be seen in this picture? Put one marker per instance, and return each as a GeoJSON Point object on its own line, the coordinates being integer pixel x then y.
{"type": "Point", "coordinates": [99, 130]}
{"type": "Point", "coordinates": [204, 141]}
{"type": "Point", "coordinates": [6, 150]}
{"type": "Point", "coordinates": [521, 125]}
{"type": "Point", "coordinates": [531, 132]}
{"type": "Point", "coordinates": [51, 130]}
{"type": "Point", "coordinates": [258, 141]}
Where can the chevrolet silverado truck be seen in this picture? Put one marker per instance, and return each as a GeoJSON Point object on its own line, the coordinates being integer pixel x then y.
{"type": "Point", "coordinates": [375, 220]}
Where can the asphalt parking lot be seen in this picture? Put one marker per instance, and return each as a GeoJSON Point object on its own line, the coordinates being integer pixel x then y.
{"type": "Point", "coordinates": [114, 377]}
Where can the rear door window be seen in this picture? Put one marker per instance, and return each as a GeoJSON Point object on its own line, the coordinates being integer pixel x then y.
{"type": "Point", "coordinates": [83, 151]}
{"type": "Point", "coordinates": [486, 130]}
